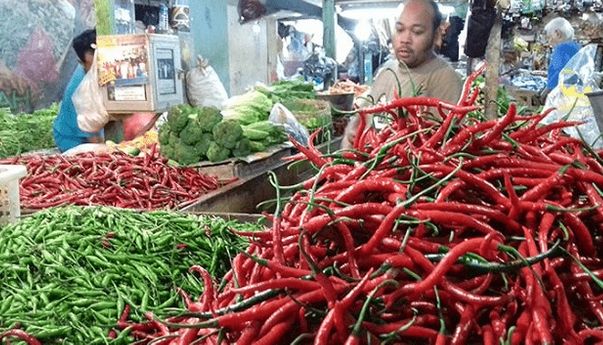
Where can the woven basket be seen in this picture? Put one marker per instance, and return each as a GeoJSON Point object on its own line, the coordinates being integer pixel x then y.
{"type": "Point", "coordinates": [312, 113]}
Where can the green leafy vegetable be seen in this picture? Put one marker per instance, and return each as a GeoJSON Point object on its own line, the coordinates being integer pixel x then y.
{"type": "Point", "coordinates": [26, 132]}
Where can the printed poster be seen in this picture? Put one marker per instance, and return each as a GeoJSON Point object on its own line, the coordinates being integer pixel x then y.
{"type": "Point", "coordinates": [123, 60]}
{"type": "Point", "coordinates": [166, 72]}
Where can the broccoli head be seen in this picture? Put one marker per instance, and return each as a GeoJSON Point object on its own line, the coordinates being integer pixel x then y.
{"type": "Point", "coordinates": [174, 139]}
{"type": "Point", "coordinates": [203, 145]}
{"type": "Point", "coordinates": [191, 134]}
{"type": "Point", "coordinates": [242, 149]}
{"type": "Point", "coordinates": [209, 118]}
{"type": "Point", "coordinates": [167, 151]}
{"type": "Point", "coordinates": [217, 153]}
{"type": "Point", "coordinates": [186, 154]}
{"type": "Point", "coordinates": [164, 135]}
{"type": "Point", "coordinates": [178, 118]}
{"type": "Point", "coordinates": [227, 133]}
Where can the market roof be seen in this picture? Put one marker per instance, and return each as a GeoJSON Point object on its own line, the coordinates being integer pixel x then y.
{"type": "Point", "coordinates": [371, 3]}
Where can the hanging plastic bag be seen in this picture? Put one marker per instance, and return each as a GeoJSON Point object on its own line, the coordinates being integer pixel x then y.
{"type": "Point", "coordinates": [479, 26]}
{"type": "Point", "coordinates": [283, 116]}
{"type": "Point", "coordinates": [204, 88]}
{"type": "Point", "coordinates": [569, 98]}
{"type": "Point", "coordinates": [92, 115]}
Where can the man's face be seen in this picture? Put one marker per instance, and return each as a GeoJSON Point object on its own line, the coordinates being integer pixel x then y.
{"type": "Point", "coordinates": [414, 37]}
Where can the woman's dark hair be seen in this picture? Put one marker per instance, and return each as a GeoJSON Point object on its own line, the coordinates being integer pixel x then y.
{"type": "Point", "coordinates": [84, 42]}
{"type": "Point", "coordinates": [437, 15]}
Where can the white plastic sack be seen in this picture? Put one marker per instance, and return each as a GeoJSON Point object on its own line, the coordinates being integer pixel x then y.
{"type": "Point", "coordinates": [283, 116]}
{"type": "Point", "coordinates": [569, 98]}
{"type": "Point", "coordinates": [88, 101]}
{"type": "Point", "coordinates": [204, 88]}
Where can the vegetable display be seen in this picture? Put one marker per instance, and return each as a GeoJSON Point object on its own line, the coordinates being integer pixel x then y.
{"type": "Point", "coordinates": [284, 90]}
{"type": "Point", "coordinates": [313, 114]}
{"type": "Point", "coordinates": [248, 108]}
{"type": "Point", "coordinates": [116, 179]}
{"type": "Point", "coordinates": [348, 86]}
{"type": "Point", "coordinates": [192, 135]}
{"type": "Point", "coordinates": [84, 268]}
{"type": "Point", "coordinates": [187, 135]}
{"type": "Point", "coordinates": [433, 230]}
{"type": "Point", "coordinates": [141, 143]}
{"type": "Point", "coordinates": [503, 98]}
{"type": "Point", "coordinates": [26, 132]}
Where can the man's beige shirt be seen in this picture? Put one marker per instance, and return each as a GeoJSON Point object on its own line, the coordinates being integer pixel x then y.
{"type": "Point", "coordinates": [436, 78]}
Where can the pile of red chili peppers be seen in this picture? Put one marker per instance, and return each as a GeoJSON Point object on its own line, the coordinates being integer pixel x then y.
{"type": "Point", "coordinates": [109, 179]}
{"type": "Point", "coordinates": [437, 229]}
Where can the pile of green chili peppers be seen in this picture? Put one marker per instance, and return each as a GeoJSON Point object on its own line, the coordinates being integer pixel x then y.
{"type": "Point", "coordinates": [66, 274]}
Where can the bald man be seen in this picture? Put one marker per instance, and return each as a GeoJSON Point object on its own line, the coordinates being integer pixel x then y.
{"type": "Point", "coordinates": [416, 62]}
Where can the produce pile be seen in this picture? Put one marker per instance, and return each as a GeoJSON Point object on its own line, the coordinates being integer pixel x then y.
{"type": "Point", "coordinates": [86, 267]}
{"type": "Point", "coordinates": [142, 143]}
{"type": "Point", "coordinates": [348, 86]}
{"type": "Point", "coordinates": [283, 90]}
{"type": "Point", "coordinates": [248, 108]}
{"type": "Point", "coordinates": [312, 114]}
{"type": "Point", "coordinates": [109, 179]}
{"type": "Point", "coordinates": [503, 98]}
{"type": "Point", "coordinates": [433, 230]}
{"type": "Point", "coordinates": [26, 132]}
{"type": "Point", "coordinates": [193, 134]}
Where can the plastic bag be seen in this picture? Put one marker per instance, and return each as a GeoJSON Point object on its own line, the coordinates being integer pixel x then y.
{"type": "Point", "coordinates": [480, 24]}
{"type": "Point", "coordinates": [576, 79]}
{"type": "Point", "coordinates": [88, 101]}
{"type": "Point", "coordinates": [319, 67]}
{"type": "Point", "coordinates": [204, 88]}
{"type": "Point", "coordinates": [283, 116]}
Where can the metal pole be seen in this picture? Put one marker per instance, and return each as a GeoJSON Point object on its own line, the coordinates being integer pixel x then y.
{"type": "Point", "coordinates": [329, 20]}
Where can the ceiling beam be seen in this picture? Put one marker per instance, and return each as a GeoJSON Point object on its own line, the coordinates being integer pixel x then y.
{"type": "Point", "coordinates": [306, 9]}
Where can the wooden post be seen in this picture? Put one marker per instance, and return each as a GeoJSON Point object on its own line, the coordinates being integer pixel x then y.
{"type": "Point", "coordinates": [492, 71]}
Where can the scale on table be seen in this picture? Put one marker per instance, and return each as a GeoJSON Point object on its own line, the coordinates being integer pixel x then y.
{"type": "Point", "coordinates": [140, 73]}
{"type": "Point", "coordinates": [596, 101]}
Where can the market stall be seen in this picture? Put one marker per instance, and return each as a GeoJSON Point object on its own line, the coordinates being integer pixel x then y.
{"type": "Point", "coordinates": [214, 218]}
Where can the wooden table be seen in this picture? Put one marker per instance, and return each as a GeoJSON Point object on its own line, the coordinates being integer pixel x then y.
{"type": "Point", "coordinates": [243, 195]}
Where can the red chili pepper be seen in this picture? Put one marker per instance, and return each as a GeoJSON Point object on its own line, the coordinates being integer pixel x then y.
{"type": "Point", "coordinates": [381, 186]}
{"type": "Point", "coordinates": [441, 268]}
{"type": "Point", "coordinates": [324, 330]}
{"type": "Point", "coordinates": [20, 334]}
{"type": "Point", "coordinates": [313, 155]}
{"type": "Point", "coordinates": [249, 334]}
{"type": "Point", "coordinates": [342, 306]}
{"type": "Point", "coordinates": [584, 239]}
{"type": "Point", "coordinates": [475, 181]}
{"type": "Point", "coordinates": [467, 86]}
